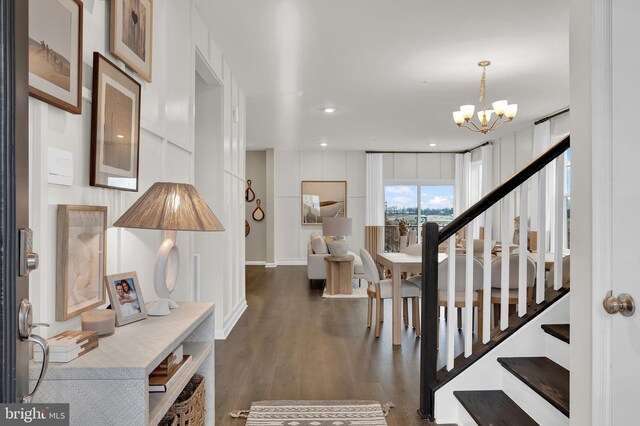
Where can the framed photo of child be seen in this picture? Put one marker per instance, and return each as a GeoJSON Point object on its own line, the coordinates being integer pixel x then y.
{"type": "Point", "coordinates": [126, 299]}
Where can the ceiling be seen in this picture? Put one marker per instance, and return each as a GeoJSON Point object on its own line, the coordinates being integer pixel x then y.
{"type": "Point", "coordinates": [395, 70]}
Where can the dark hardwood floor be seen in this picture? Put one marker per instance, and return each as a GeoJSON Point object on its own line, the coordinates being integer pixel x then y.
{"type": "Point", "coordinates": [293, 344]}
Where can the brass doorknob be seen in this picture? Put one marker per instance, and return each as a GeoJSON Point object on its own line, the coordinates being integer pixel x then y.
{"type": "Point", "coordinates": [623, 304]}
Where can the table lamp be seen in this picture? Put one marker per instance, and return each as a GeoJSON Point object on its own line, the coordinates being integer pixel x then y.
{"type": "Point", "coordinates": [339, 227]}
{"type": "Point", "coordinates": [171, 207]}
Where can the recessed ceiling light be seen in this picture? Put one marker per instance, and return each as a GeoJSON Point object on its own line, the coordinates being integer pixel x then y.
{"type": "Point", "coordinates": [433, 144]}
{"type": "Point", "coordinates": [120, 136]}
{"type": "Point", "coordinates": [323, 144]}
{"type": "Point", "coordinates": [329, 110]}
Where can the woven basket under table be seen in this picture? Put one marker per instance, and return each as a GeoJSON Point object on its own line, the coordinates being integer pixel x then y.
{"type": "Point", "coordinates": [189, 406]}
{"type": "Point", "coordinates": [169, 419]}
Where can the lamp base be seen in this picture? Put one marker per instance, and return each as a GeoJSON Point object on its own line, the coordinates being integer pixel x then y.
{"type": "Point", "coordinates": [338, 247]}
{"type": "Point", "coordinates": [162, 307]}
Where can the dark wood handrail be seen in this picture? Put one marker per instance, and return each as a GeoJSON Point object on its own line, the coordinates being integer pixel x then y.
{"type": "Point", "coordinates": [431, 239]}
{"type": "Point", "coordinates": [500, 192]}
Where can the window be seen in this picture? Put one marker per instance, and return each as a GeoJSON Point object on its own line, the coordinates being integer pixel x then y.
{"type": "Point", "coordinates": [403, 202]}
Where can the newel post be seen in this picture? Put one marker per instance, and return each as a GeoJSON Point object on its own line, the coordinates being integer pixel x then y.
{"type": "Point", "coordinates": [429, 325]}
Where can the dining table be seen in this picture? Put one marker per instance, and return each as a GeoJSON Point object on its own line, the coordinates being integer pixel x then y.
{"type": "Point", "coordinates": [399, 263]}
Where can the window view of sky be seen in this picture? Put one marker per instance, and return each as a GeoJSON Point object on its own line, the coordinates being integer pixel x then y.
{"type": "Point", "coordinates": [433, 197]}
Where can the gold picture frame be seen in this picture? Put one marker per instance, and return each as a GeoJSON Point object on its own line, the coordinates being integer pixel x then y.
{"type": "Point", "coordinates": [322, 198]}
{"type": "Point", "coordinates": [131, 34]}
{"type": "Point", "coordinates": [81, 259]}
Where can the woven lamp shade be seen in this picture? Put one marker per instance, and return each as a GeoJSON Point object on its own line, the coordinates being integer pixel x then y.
{"type": "Point", "coordinates": [170, 206]}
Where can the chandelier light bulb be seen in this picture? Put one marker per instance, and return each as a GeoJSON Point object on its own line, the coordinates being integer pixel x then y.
{"type": "Point", "coordinates": [512, 110]}
{"type": "Point", "coordinates": [467, 111]}
{"type": "Point", "coordinates": [500, 107]}
{"type": "Point", "coordinates": [484, 116]}
{"type": "Point", "coordinates": [458, 117]}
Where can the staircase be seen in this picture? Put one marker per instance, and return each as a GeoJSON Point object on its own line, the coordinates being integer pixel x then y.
{"type": "Point", "coordinates": [518, 372]}
{"type": "Point", "coordinates": [546, 378]}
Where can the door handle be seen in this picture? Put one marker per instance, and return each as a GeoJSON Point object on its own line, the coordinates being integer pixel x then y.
{"type": "Point", "coordinates": [25, 325]}
{"type": "Point", "coordinates": [44, 345]}
{"type": "Point", "coordinates": [623, 304]}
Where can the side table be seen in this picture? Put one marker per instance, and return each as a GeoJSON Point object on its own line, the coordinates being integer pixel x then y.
{"type": "Point", "coordinates": [339, 274]}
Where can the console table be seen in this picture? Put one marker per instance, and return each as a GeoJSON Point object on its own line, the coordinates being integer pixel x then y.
{"type": "Point", "coordinates": [339, 274]}
{"type": "Point", "coordinates": [110, 384]}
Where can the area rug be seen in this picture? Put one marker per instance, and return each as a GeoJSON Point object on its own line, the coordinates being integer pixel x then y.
{"type": "Point", "coordinates": [356, 293]}
{"type": "Point", "coordinates": [315, 413]}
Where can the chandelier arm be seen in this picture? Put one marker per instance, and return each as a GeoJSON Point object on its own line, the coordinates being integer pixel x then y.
{"type": "Point", "coordinates": [502, 121]}
{"type": "Point", "coordinates": [466, 126]}
{"type": "Point", "coordinates": [477, 129]}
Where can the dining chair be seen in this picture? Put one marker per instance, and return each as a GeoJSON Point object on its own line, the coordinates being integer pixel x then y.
{"type": "Point", "coordinates": [460, 286]}
{"type": "Point", "coordinates": [514, 278]}
{"type": "Point", "coordinates": [380, 289]}
{"type": "Point", "coordinates": [566, 273]}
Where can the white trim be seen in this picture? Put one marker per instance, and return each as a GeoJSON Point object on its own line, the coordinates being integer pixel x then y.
{"type": "Point", "coordinates": [231, 320]}
{"type": "Point", "coordinates": [601, 204]}
{"type": "Point", "coordinates": [291, 263]}
{"type": "Point", "coordinates": [255, 263]}
{"type": "Point", "coordinates": [271, 265]}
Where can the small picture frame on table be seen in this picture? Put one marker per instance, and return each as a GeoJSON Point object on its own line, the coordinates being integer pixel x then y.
{"type": "Point", "coordinates": [81, 258]}
{"type": "Point", "coordinates": [115, 127]}
{"type": "Point", "coordinates": [126, 298]}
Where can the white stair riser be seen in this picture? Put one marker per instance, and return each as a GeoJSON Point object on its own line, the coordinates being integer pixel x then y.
{"type": "Point", "coordinates": [537, 407]}
{"type": "Point", "coordinates": [558, 351]}
{"type": "Point", "coordinates": [486, 372]}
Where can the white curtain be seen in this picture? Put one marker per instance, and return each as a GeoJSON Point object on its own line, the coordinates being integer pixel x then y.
{"type": "Point", "coordinates": [487, 176]}
{"type": "Point", "coordinates": [374, 214]}
{"type": "Point", "coordinates": [474, 180]}
{"type": "Point", "coordinates": [463, 172]}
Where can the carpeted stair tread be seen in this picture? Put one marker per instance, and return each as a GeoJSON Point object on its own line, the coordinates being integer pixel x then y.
{"type": "Point", "coordinates": [493, 408]}
{"type": "Point", "coordinates": [560, 331]}
{"type": "Point", "coordinates": [545, 377]}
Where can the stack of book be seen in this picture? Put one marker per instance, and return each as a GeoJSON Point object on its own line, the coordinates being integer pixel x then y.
{"type": "Point", "coordinates": [166, 373]}
{"type": "Point", "coordinates": [68, 345]}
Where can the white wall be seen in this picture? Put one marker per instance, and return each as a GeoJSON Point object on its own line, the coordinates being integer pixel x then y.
{"type": "Point", "coordinates": [166, 154]}
{"type": "Point", "coordinates": [292, 167]}
{"type": "Point", "coordinates": [413, 166]}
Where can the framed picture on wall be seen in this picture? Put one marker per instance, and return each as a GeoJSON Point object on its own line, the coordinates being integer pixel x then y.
{"type": "Point", "coordinates": [126, 299]}
{"type": "Point", "coordinates": [115, 127]}
{"type": "Point", "coordinates": [55, 53]}
{"type": "Point", "coordinates": [131, 30]}
{"type": "Point", "coordinates": [81, 258]}
{"type": "Point", "coordinates": [323, 199]}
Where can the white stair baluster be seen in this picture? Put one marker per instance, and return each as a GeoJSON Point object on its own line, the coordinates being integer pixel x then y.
{"type": "Point", "coordinates": [542, 235]}
{"type": "Point", "coordinates": [557, 258]}
{"type": "Point", "coordinates": [468, 293]}
{"type": "Point", "coordinates": [486, 282]}
{"type": "Point", "coordinates": [451, 309]}
{"type": "Point", "coordinates": [522, 260]}
{"type": "Point", "coordinates": [504, 279]}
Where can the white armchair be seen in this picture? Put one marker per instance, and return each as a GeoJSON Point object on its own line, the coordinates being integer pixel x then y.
{"type": "Point", "coordinates": [316, 266]}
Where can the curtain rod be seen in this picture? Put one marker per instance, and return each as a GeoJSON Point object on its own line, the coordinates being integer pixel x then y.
{"type": "Point", "coordinates": [431, 152]}
{"type": "Point", "coordinates": [549, 117]}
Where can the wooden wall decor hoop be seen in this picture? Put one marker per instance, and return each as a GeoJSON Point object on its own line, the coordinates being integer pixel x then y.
{"type": "Point", "coordinates": [249, 195]}
{"type": "Point", "coordinates": [258, 213]}
{"type": "Point", "coordinates": [247, 228]}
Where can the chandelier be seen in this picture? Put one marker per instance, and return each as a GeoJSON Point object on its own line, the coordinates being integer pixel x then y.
{"type": "Point", "coordinates": [502, 109]}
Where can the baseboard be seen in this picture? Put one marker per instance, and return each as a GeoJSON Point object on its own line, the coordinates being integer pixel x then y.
{"type": "Point", "coordinates": [270, 265]}
{"type": "Point", "coordinates": [255, 263]}
{"type": "Point", "coordinates": [291, 263]}
{"type": "Point", "coordinates": [231, 320]}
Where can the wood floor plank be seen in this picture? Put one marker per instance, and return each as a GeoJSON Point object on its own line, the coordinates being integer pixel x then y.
{"type": "Point", "coordinates": [545, 377]}
{"type": "Point", "coordinates": [293, 344]}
